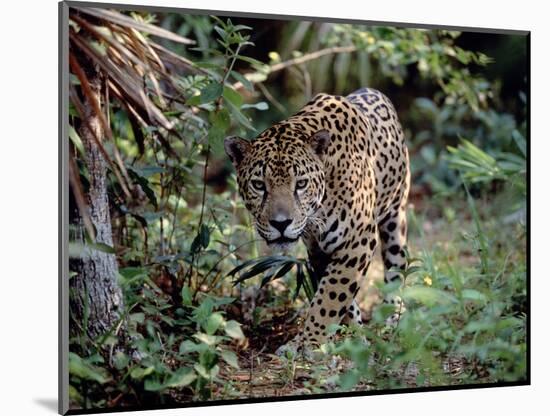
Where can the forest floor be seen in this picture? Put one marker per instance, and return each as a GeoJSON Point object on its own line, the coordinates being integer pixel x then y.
{"type": "Point", "coordinates": [477, 337]}
{"type": "Point", "coordinates": [264, 374]}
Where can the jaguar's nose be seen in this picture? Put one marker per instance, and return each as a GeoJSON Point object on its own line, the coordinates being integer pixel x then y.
{"type": "Point", "coordinates": [280, 226]}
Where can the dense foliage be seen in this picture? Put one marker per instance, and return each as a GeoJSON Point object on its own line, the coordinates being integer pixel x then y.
{"type": "Point", "coordinates": [190, 266]}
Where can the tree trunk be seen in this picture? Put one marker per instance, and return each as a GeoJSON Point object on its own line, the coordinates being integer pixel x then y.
{"type": "Point", "coordinates": [96, 297]}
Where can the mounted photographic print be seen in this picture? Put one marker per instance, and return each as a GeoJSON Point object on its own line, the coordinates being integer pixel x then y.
{"type": "Point", "coordinates": [261, 208]}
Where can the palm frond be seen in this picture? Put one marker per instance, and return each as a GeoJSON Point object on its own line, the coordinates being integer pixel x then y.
{"type": "Point", "coordinates": [128, 22]}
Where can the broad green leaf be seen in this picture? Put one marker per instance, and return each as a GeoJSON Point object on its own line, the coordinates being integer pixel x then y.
{"type": "Point", "coordinates": [120, 360]}
{"type": "Point", "coordinates": [203, 372]}
{"type": "Point", "coordinates": [204, 310]}
{"type": "Point", "coordinates": [213, 323]}
{"type": "Point", "coordinates": [232, 96]}
{"type": "Point", "coordinates": [79, 367]}
{"type": "Point", "coordinates": [233, 329]}
{"type": "Point", "coordinates": [183, 377]}
{"type": "Point", "coordinates": [240, 117]}
{"type": "Point", "coordinates": [209, 340]}
{"type": "Point", "coordinates": [220, 119]}
{"type": "Point", "coordinates": [153, 385]}
{"type": "Point", "coordinates": [138, 373]}
{"type": "Point", "coordinates": [211, 92]}
{"type": "Point", "coordinates": [204, 236]}
{"type": "Point", "coordinates": [215, 138]}
{"type": "Point", "coordinates": [138, 317]}
{"type": "Point", "coordinates": [428, 296]}
{"type": "Point", "coordinates": [230, 358]}
{"type": "Point", "coordinates": [188, 346]}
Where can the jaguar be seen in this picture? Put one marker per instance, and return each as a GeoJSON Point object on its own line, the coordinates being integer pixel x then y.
{"type": "Point", "coordinates": [335, 175]}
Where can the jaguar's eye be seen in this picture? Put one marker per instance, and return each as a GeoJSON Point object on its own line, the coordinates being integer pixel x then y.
{"type": "Point", "coordinates": [258, 185]}
{"type": "Point", "coordinates": [301, 184]}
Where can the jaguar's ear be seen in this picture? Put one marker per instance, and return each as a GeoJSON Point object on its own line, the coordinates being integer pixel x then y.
{"type": "Point", "coordinates": [320, 142]}
{"type": "Point", "coordinates": [236, 148]}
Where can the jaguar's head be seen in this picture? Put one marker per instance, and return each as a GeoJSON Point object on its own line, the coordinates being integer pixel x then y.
{"type": "Point", "coordinates": [281, 180]}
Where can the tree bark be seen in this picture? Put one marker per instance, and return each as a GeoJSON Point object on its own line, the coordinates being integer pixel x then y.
{"type": "Point", "coordinates": [97, 303]}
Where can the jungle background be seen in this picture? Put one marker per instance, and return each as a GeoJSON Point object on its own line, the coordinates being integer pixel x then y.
{"type": "Point", "coordinates": [173, 296]}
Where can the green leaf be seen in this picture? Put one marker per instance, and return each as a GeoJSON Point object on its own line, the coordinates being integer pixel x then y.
{"type": "Point", "coordinates": [260, 265]}
{"type": "Point", "coordinates": [520, 142]}
{"type": "Point", "coordinates": [232, 96]}
{"type": "Point", "coordinates": [83, 369]}
{"type": "Point", "coordinates": [473, 295]}
{"type": "Point", "coordinates": [221, 32]}
{"type": "Point", "coordinates": [203, 311]}
{"type": "Point", "coordinates": [240, 117]}
{"type": "Point", "coordinates": [209, 340]}
{"type": "Point", "coordinates": [183, 377]}
{"type": "Point", "coordinates": [213, 323]}
{"type": "Point", "coordinates": [75, 138]}
{"type": "Point", "coordinates": [195, 100]}
{"type": "Point", "coordinates": [349, 379]}
{"type": "Point", "coordinates": [203, 372]}
{"type": "Point", "coordinates": [220, 122]}
{"type": "Point", "coordinates": [138, 373]}
{"type": "Point", "coordinates": [188, 346]}
{"type": "Point", "coordinates": [144, 185]}
{"type": "Point", "coordinates": [121, 360]}
{"type": "Point", "coordinates": [138, 317]}
{"type": "Point", "coordinates": [211, 92]}
{"type": "Point", "coordinates": [475, 326]}
{"type": "Point", "coordinates": [428, 296]}
{"type": "Point", "coordinates": [280, 273]}
{"type": "Point", "coordinates": [204, 236]}
{"type": "Point", "coordinates": [230, 358]}
{"type": "Point", "coordinates": [186, 296]}
{"type": "Point", "coordinates": [243, 80]}
{"type": "Point", "coordinates": [220, 119]}
{"type": "Point", "coordinates": [233, 329]}
{"type": "Point", "coordinates": [215, 138]}
{"type": "Point", "coordinates": [261, 106]}
{"type": "Point", "coordinates": [202, 239]}
{"type": "Point", "coordinates": [250, 60]}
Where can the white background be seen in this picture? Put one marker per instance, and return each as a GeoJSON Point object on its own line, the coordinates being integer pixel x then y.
{"type": "Point", "coordinates": [28, 220]}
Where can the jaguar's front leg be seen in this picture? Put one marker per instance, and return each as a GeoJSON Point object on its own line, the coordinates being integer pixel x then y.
{"type": "Point", "coordinates": [334, 298]}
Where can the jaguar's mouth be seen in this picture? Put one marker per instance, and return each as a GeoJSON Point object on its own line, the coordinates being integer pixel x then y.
{"type": "Point", "coordinates": [282, 240]}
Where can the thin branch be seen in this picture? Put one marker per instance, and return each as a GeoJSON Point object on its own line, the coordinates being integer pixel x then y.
{"type": "Point", "coordinates": [302, 60]}
{"type": "Point", "coordinates": [272, 99]}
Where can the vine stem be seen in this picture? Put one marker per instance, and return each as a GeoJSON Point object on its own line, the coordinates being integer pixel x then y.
{"type": "Point", "coordinates": [230, 68]}
{"type": "Point", "coordinates": [201, 217]}
{"type": "Point", "coordinates": [204, 184]}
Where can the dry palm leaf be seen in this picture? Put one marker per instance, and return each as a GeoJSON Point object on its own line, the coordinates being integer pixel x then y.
{"type": "Point", "coordinates": [130, 23]}
{"type": "Point", "coordinates": [136, 70]}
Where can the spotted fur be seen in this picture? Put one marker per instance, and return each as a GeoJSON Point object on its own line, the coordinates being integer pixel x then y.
{"type": "Point", "coordinates": [336, 174]}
